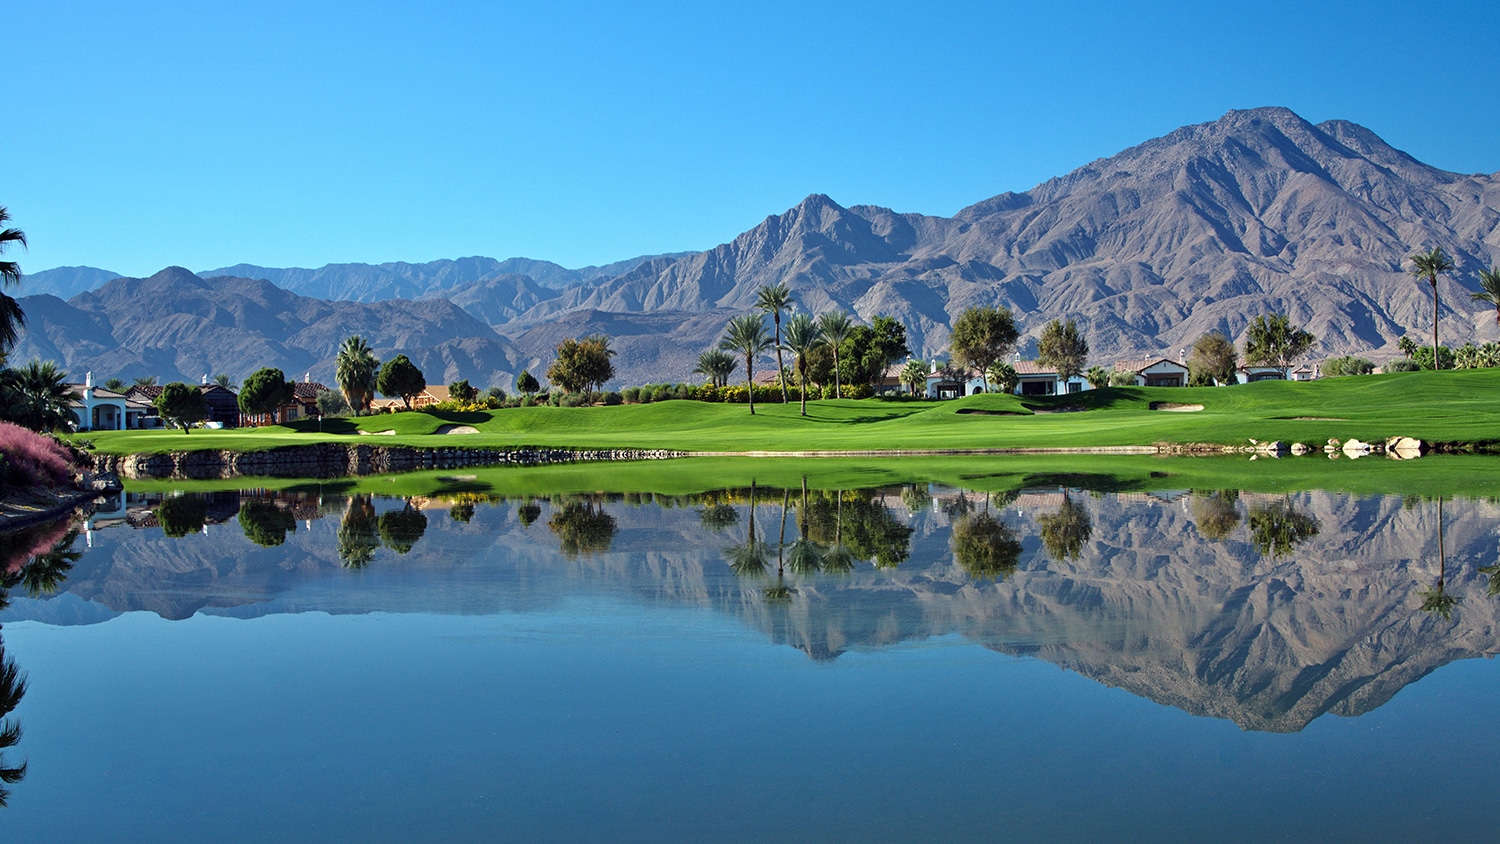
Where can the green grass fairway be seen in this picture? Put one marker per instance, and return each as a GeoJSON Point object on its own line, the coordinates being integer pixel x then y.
{"type": "Point", "coordinates": [1460, 406]}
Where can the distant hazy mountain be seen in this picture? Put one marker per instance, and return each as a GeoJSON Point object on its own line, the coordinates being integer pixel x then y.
{"type": "Point", "coordinates": [177, 325]}
{"type": "Point", "coordinates": [65, 282]}
{"type": "Point", "coordinates": [400, 280]}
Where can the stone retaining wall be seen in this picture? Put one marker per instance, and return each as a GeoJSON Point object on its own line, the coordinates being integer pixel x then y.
{"type": "Point", "coordinates": [333, 460]}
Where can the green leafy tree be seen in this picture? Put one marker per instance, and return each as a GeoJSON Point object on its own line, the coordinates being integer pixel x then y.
{"type": "Point", "coordinates": [583, 527]}
{"type": "Point", "coordinates": [526, 384]}
{"type": "Point", "coordinates": [582, 365]}
{"type": "Point", "coordinates": [773, 299]}
{"type": "Point", "coordinates": [401, 529]}
{"type": "Point", "coordinates": [982, 336]}
{"type": "Point", "coordinates": [1489, 289]}
{"type": "Point", "coordinates": [1122, 378]}
{"type": "Point", "coordinates": [331, 403]}
{"type": "Point", "coordinates": [182, 404]}
{"type": "Point", "coordinates": [836, 326]}
{"type": "Point", "coordinates": [1348, 365]}
{"type": "Point", "coordinates": [265, 524]}
{"type": "Point", "coordinates": [747, 336]}
{"type": "Point", "coordinates": [11, 318]}
{"type": "Point", "coordinates": [1065, 532]}
{"type": "Point", "coordinates": [1215, 513]}
{"type": "Point", "coordinates": [985, 547]}
{"type": "Point", "coordinates": [1213, 359]}
{"type": "Point", "coordinates": [354, 370]}
{"type": "Point", "coordinates": [1063, 349]}
{"type": "Point", "coordinates": [914, 376]}
{"type": "Point", "coordinates": [37, 396]}
{"type": "Point", "coordinates": [1098, 377]}
{"type": "Point", "coordinates": [182, 515]}
{"type": "Point", "coordinates": [802, 336]}
{"type": "Point", "coordinates": [265, 393]}
{"type": "Point", "coordinates": [399, 377]}
{"type": "Point", "coordinates": [1278, 527]}
{"type": "Point", "coordinates": [1274, 341]}
{"type": "Point", "coordinates": [1427, 266]}
{"type": "Point", "coordinates": [461, 390]}
{"type": "Point", "coordinates": [357, 537]}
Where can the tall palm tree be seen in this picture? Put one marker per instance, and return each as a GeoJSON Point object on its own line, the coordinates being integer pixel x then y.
{"type": "Point", "coordinates": [38, 396]}
{"type": "Point", "coordinates": [716, 365]}
{"type": "Point", "coordinates": [12, 689]}
{"type": "Point", "coordinates": [223, 380]}
{"type": "Point", "coordinates": [11, 318]}
{"type": "Point", "coordinates": [1430, 265]}
{"type": "Point", "coordinates": [836, 326]}
{"type": "Point", "coordinates": [1489, 289]}
{"type": "Point", "coordinates": [747, 336]}
{"type": "Point", "coordinates": [773, 299]}
{"type": "Point", "coordinates": [355, 368]}
{"type": "Point", "coordinates": [146, 381]}
{"type": "Point", "coordinates": [803, 334]}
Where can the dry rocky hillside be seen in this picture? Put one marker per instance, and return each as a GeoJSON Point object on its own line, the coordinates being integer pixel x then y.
{"type": "Point", "coordinates": [1203, 229]}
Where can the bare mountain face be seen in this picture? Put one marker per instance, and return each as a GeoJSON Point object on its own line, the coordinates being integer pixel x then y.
{"type": "Point", "coordinates": [1200, 230]}
{"type": "Point", "coordinates": [178, 326]}
{"type": "Point", "coordinates": [1203, 229]}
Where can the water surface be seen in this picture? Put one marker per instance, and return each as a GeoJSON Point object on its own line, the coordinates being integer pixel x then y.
{"type": "Point", "coordinates": [912, 662]}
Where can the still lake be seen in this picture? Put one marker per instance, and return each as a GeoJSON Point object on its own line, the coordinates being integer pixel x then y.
{"type": "Point", "coordinates": [909, 663]}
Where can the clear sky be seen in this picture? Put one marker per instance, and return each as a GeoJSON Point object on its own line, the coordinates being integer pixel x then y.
{"type": "Point", "coordinates": [298, 133]}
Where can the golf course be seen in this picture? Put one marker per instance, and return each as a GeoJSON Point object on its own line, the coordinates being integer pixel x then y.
{"type": "Point", "coordinates": [1457, 408]}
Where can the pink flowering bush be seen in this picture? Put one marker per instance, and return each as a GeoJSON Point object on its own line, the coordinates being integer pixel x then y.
{"type": "Point", "coordinates": [20, 547]}
{"type": "Point", "coordinates": [30, 459]}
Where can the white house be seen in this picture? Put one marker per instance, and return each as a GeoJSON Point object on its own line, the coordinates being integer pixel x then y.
{"type": "Point", "coordinates": [1038, 380]}
{"type": "Point", "coordinates": [1155, 372]}
{"type": "Point", "coordinates": [1247, 374]}
{"type": "Point", "coordinates": [98, 409]}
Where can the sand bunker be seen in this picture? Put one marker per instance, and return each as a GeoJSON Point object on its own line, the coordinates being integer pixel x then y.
{"type": "Point", "coordinates": [377, 433]}
{"type": "Point", "coordinates": [1174, 407]}
{"type": "Point", "coordinates": [457, 429]}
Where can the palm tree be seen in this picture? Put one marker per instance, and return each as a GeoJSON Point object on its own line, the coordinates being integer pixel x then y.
{"type": "Point", "coordinates": [11, 318]}
{"type": "Point", "coordinates": [805, 557]}
{"type": "Point", "coordinates": [715, 365]}
{"type": "Point", "coordinates": [747, 336]}
{"type": "Point", "coordinates": [802, 336]}
{"type": "Point", "coordinates": [836, 326]}
{"type": "Point", "coordinates": [914, 375]}
{"type": "Point", "coordinates": [1489, 289]}
{"type": "Point", "coordinates": [749, 558]}
{"type": "Point", "coordinates": [38, 396]}
{"type": "Point", "coordinates": [1430, 265]}
{"type": "Point", "coordinates": [116, 385]}
{"type": "Point", "coordinates": [223, 380]}
{"type": "Point", "coordinates": [146, 381]}
{"type": "Point", "coordinates": [12, 689]}
{"type": "Point", "coordinates": [1435, 600]}
{"type": "Point", "coordinates": [355, 368]}
{"type": "Point", "coordinates": [773, 299]}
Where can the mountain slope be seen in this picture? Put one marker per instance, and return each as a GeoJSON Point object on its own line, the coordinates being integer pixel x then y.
{"type": "Point", "coordinates": [178, 326]}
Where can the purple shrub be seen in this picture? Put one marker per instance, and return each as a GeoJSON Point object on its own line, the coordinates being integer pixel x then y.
{"type": "Point", "coordinates": [31, 459]}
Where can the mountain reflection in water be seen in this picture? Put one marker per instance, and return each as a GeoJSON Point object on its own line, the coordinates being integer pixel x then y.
{"type": "Point", "coordinates": [1268, 610]}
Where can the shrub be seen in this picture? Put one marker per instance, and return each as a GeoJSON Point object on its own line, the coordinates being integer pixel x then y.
{"type": "Point", "coordinates": [569, 400]}
{"type": "Point", "coordinates": [612, 399]}
{"type": "Point", "coordinates": [32, 459]}
{"type": "Point", "coordinates": [662, 392]}
{"type": "Point", "coordinates": [630, 395]}
{"type": "Point", "coordinates": [859, 391]}
{"type": "Point", "coordinates": [457, 406]}
{"type": "Point", "coordinates": [1403, 365]}
{"type": "Point", "coordinates": [1348, 365]}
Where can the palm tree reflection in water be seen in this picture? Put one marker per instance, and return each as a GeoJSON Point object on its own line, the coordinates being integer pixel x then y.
{"type": "Point", "coordinates": [1435, 600]}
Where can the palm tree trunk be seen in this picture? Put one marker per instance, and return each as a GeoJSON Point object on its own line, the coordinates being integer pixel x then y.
{"type": "Point", "coordinates": [780, 367]}
{"type": "Point", "coordinates": [837, 392]}
{"type": "Point", "coordinates": [750, 381]}
{"type": "Point", "coordinates": [802, 383]}
{"type": "Point", "coordinates": [1437, 362]}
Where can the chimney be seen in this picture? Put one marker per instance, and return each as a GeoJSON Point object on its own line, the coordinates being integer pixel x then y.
{"type": "Point", "coordinates": [204, 382]}
{"type": "Point", "coordinates": [307, 377]}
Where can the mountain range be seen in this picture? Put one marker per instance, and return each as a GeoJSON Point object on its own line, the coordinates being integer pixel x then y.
{"type": "Point", "coordinates": [1203, 229]}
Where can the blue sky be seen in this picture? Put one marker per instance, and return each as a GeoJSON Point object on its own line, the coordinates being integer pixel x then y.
{"type": "Point", "coordinates": [303, 133]}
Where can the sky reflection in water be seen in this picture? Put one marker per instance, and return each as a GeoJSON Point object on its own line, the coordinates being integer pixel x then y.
{"type": "Point", "coordinates": [876, 663]}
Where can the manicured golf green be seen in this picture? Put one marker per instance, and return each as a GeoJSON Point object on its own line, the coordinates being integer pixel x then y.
{"type": "Point", "coordinates": [1450, 407]}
